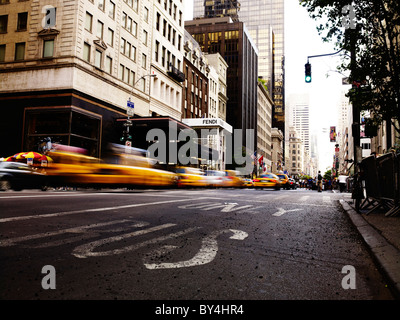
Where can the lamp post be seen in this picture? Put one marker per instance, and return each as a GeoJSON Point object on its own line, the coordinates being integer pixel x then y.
{"type": "Point", "coordinates": [130, 112]}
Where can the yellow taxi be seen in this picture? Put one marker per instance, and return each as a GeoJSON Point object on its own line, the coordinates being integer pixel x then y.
{"type": "Point", "coordinates": [284, 180]}
{"type": "Point", "coordinates": [247, 183]}
{"type": "Point", "coordinates": [267, 180]}
{"type": "Point", "coordinates": [232, 179]}
{"type": "Point", "coordinates": [73, 169]}
{"type": "Point", "coordinates": [190, 177]}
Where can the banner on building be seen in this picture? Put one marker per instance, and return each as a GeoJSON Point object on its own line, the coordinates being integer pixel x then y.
{"type": "Point", "coordinates": [332, 134]}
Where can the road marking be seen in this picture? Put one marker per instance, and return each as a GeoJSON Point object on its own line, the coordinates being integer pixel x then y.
{"type": "Point", "coordinates": [206, 254]}
{"type": "Point", "coordinates": [65, 213]}
{"type": "Point", "coordinates": [282, 211]}
{"type": "Point", "coordinates": [86, 250]}
{"type": "Point", "coordinates": [304, 198]}
{"type": "Point", "coordinates": [225, 207]}
{"type": "Point", "coordinates": [74, 230]}
{"type": "Point", "coordinates": [326, 199]}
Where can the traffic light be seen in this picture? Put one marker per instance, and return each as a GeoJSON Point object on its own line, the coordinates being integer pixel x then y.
{"type": "Point", "coordinates": [308, 72]}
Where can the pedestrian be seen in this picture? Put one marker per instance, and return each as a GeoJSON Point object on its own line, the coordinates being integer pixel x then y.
{"type": "Point", "coordinates": [319, 183]}
{"type": "Point", "coordinates": [342, 183]}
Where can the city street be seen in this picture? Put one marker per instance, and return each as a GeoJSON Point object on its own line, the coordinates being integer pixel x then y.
{"type": "Point", "coordinates": [231, 244]}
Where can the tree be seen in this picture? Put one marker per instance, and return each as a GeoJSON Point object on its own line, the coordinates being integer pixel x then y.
{"type": "Point", "coordinates": [375, 71]}
{"type": "Point", "coordinates": [328, 175]}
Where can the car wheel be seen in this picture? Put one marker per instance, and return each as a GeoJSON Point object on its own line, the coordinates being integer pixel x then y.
{"type": "Point", "coordinates": [5, 184]}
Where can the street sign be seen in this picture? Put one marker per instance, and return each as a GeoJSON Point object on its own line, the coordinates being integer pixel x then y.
{"type": "Point", "coordinates": [131, 106]}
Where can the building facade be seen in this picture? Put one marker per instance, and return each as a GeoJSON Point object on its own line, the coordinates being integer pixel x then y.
{"type": "Point", "coordinates": [221, 67]}
{"type": "Point", "coordinates": [277, 151]}
{"type": "Point", "coordinates": [195, 102]}
{"type": "Point", "coordinates": [232, 41]}
{"type": "Point", "coordinates": [296, 153]}
{"type": "Point", "coordinates": [264, 21]}
{"type": "Point", "coordinates": [264, 130]}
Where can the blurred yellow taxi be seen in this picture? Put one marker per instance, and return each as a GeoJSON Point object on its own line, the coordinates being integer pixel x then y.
{"type": "Point", "coordinates": [284, 180]}
{"type": "Point", "coordinates": [190, 177]}
{"type": "Point", "coordinates": [73, 169]}
{"type": "Point", "coordinates": [267, 180]}
{"type": "Point", "coordinates": [232, 179]}
{"type": "Point", "coordinates": [247, 182]}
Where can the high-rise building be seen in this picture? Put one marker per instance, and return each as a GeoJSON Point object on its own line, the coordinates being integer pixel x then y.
{"type": "Point", "coordinates": [216, 8]}
{"type": "Point", "coordinates": [299, 117]}
{"type": "Point", "coordinates": [264, 20]}
{"type": "Point", "coordinates": [232, 41]}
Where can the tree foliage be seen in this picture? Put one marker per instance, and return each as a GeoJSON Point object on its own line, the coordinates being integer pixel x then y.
{"type": "Point", "coordinates": [374, 25]}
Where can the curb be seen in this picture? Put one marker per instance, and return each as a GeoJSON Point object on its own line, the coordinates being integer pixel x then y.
{"type": "Point", "coordinates": [385, 254]}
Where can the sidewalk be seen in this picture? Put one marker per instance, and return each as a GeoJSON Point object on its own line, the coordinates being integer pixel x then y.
{"type": "Point", "coordinates": [381, 234]}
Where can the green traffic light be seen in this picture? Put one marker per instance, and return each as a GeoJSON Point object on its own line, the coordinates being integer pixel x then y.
{"type": "Point", "coordinates": [308, 79]}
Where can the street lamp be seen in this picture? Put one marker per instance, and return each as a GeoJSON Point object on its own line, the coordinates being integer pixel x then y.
{"type": "Point", "coordinates": [130, 112]}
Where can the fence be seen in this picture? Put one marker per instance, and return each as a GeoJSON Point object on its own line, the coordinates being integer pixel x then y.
{"type": "Point", "coordinates": [381, 183]}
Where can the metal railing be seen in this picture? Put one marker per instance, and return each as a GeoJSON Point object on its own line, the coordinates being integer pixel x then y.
{"type": "Point", "coordinates": [380, 183]}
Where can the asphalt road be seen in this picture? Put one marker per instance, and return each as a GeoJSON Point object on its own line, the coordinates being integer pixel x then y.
{"type": "Point", "coordinates": [233, 244]}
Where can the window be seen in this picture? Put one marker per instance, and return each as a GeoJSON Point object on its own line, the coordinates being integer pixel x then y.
{"type": "Point", "coordinates": [134, 29]}
{"type": "Point", "coordinates": [110, 37]}
{"type": "Point", "coordinates": [20, 51]}
{"type": "Point", "coordinates": [146, 14]}
{"type": "Point", "coordinates": [124, 17]}
{"type": "Point", "coordinates": [100, 27]}
{"type": "Point", "coordinates": [88, 22]}
{"type": "Point", "coordinates": [158, 18]}
{"type": "Point", "coordinates": [86, 52]}
{"type": "Point", "coordinates": [101, 5]}
{"type": "Point", "coordinates": [144, 37]}
{"type": "Point", "coordinates": [123, 43]}
{"type": "Point", "coordinates": [2, 52]}
{"type": "Point", "coordinates": [111, 10]}
{"type": "Point", "coordinates": [135, 5]}
{"type": "Point", "coordinates": [48, 48]}
{"type": "Point", "coordinates": [144, 61]}
{"type": "Point", "coordinates": [3, 23]}
{"type": "Point", "coordinates": [97, 59]}
{"type": "Point", "coordinates": [108, 65]}
{"type": "Point", "coordinates": [121, 72]}
{"type": "Point", "coordinates": [133, 53]}
{"type": "Point", "coordinates": [157, 50]}
{"type": "Point", "coordinates": [129, 24]}
{"type": "Point", "coordinates": [22, 21]}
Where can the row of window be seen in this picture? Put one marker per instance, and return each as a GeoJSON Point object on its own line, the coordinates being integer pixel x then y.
{"type": "Point", "coordinates": [172, 9]}
{"type": "Point", "coordinates": [22, 22]}
{"type": "Point", "coordinates": [19, 50]}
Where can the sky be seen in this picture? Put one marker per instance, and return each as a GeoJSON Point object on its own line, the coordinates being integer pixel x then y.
{"type": "Point", "coordinates": [302, 40]}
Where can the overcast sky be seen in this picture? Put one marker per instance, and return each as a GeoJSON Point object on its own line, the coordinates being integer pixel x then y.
{"type": "Point", "coordinates": [302, 40]}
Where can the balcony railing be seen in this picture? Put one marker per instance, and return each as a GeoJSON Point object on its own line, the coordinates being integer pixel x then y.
{"type": "Point", "coordinates": [176, 74]}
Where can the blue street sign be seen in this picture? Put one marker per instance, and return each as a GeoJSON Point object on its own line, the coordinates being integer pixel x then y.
{"type": "Point", "coordinates": [130, 104]}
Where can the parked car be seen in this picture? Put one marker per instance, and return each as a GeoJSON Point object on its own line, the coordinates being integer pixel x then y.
{"type": "Point", "coordinates": [268, 180]}
{"type": "Point", "coordinates": [284, 180]}
{"type": "Point", "coordinates": [18, 176]}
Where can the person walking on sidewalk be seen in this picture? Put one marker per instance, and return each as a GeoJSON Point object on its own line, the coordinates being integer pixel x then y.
{"type": "Point", "coordinates": [319, 182]}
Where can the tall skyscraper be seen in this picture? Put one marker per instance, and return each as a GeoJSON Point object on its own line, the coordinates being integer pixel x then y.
{"type": "Point", "coordinates": [232, 41]}
{"type": "Point", "coordinates": [299, 117]}
{"type": "Point", "coordinates": [264, 20]}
